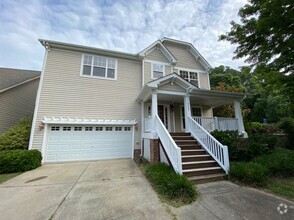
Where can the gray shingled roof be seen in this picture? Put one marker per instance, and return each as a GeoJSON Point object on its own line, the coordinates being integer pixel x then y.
{"type": "Point", "coordinates": [10, 77]}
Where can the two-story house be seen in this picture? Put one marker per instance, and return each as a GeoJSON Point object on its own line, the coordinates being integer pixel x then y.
{"type": "Point", "coordinates": [100, 104]}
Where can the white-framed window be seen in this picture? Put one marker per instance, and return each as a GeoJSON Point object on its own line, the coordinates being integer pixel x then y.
{"type": "Point", "coordinates": [108, 129]}
{"type": "Point", "coordinates": [99, 67]}
{"type": "Point", "coordinates": [196, 111]}
{"type": "Point", "coordinates": [191, 76]}
{"type": "Point", "coordinates": [88, 128]}
{"type": "Point", "coordinates": [157, 70]}
{"type": "Point", "coordinates": [127, 128]}
{"type": "Point", "coordinates": [99, 128]}
{"type": "Point", "coordinates": [118, 128]}
{"type": "Point", "coordinates": [55, 128]}
{"type": "Point", "coordinates": [77, 128]}
{"type": "Point", "coordinates": [66, 128]}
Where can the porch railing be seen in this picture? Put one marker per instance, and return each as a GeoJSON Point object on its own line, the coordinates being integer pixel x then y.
{"type": "Point", "coordinates": [217, 123]}
{"type": "Point", "coordinates": [171, 149]}
{"type": "Point", "coordinates": [218, 151]}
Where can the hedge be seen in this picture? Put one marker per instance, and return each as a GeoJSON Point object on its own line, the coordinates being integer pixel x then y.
{"type": "Point", "coordinates": [19, 160]}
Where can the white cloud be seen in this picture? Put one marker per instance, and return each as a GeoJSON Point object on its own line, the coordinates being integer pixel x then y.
{"type": "Point", "coordinates": [128, 26]}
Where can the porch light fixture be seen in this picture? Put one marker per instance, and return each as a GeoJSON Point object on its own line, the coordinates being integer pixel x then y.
{"type": "Point", "coordinates": [41, 126]}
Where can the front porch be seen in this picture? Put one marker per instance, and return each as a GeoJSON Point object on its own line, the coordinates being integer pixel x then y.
{"type": "Point", "coordinates": [172, 109]}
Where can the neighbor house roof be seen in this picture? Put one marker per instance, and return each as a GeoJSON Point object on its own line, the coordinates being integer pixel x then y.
{"type": "Point", "coordinates": [10, 78]}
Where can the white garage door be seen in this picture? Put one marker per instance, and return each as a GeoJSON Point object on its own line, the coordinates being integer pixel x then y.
{"type": "Point", "coordinates": [80, 142]}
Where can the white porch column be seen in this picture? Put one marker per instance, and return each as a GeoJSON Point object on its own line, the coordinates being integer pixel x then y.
{"type": "Point", "coordinates": [238, 115]}
{"type": "Point", "coordinates": [187, 108]}
{"type": "Point", "coordinates": [154, 105]}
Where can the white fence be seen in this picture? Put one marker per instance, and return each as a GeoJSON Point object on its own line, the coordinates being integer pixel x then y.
{"type": "Point", "coordinates": [217, 123]}
{"type": "Point", "coordinates": [212, 146]}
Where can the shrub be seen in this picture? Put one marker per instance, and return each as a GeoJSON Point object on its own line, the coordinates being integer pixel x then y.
{"type": "Point", "coordinates": [19, 160]}
{"type": "Point", "coordinates": [169, 184]}
{"type": "Point", "coordinates": [225, 137]}
{"type": "Point", "coordinates": [249, 172]}
{"type": "Point", "coordinates": [287, 125]}
{"type": "Point", "coordinates": [280, 162]}
{"type": "Point", "coordinates": [262, 128]}
{"type": "Point", "coordinates": [17, 137]}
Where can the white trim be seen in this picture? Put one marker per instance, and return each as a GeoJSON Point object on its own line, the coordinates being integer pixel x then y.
{"type": "Point", "coordinates": [18, 84]}
{"type": "Point", "coordinates": [44, 143]}
{"type": "Point", "coordinates": [143, 72]}
{"type": "Point", "coordinates": [133, 142]}
{"type": "Point", "coordinates": [86, 121]}
{"type": "Point", "coordinates": [92, 65]}
{"type": "Point", "coordinates": [158, 63]}
{"type": "Point", "coordinates": [190, 70]}
{"type": "Point", "coordinates": [37, 101]}
{"type": "Point", "coordinates": [192, 106]}
{"type": "Point", "coordinates": [171, 92]}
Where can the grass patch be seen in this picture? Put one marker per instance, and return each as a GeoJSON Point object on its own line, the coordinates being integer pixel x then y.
{"type": "Point", "coordinates": [172, 188]}
{"type": "Point", "coordinates": [8, 176]}
{"type": "Point", "coordinates": [281, 186]}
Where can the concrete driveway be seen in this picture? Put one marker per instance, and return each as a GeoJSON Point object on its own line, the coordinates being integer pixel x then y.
{"type": "Point", "coordinates": [114, 189]}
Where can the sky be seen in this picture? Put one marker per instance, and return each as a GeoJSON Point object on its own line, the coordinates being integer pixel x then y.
{"type": "Point", "coordinates": [128, 26]}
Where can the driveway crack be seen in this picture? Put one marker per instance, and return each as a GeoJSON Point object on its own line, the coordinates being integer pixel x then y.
{"type": "Point", "coordinates": [75, 183]}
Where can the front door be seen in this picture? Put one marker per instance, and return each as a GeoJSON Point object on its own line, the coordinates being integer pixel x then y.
{"type": "Point", "coordinates": [163, 115]}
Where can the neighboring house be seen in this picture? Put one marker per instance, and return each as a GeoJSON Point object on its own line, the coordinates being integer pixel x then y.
{"type": "Point", "coordinates": [100, 104]}
{"type": "Point", "coordinates": [18, 90]}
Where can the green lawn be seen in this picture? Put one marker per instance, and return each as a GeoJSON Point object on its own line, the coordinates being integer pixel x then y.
{"type": "Point", "coordinates": [281, 186]}
{"type": "Point", "coordinates": [8, 176]}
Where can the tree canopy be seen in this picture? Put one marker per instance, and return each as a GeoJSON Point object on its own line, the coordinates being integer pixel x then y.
{"type": "Point", "coordinates": [265, 35]}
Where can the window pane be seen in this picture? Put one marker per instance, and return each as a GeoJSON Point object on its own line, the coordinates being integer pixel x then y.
{"type": "Point", "coordinates": [111, 63]}
{"type": "Point", "coordinates": [99, 71]}
{"type": "Point", "coordinates": [158, 67]}
{"type": "Point", "coordinates": [194, 82]}
{"type": "Point", "coordinates": [87, 60]}
{"type": "Point", "coordinates": [110, 73]}
{"type": "Point", "coordinates": [157, 75]}
{"type": "Point", "coordinates": [196, 112]}
{"type": "Point", "coordinates": [87, 70]}
{"type": "Point", "coordinates": [184, 74]}
{"type": "Point", "coordinates": [193, 75]}
{"type": "Point", "coordinates": [100, 61]}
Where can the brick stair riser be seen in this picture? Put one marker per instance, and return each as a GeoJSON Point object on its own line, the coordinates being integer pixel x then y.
{"type": "Point", "coordinates": [202, 172]}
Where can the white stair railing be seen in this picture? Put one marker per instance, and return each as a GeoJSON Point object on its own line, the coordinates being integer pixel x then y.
{"type": "Point", "coordinates": [218, 151]}
{"type": "Point", "coordinates": [170, 147]}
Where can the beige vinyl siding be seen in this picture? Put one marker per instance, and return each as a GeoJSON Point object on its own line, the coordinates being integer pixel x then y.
{"type": "Point", "coordinates": [17, 103]}
{"type": "Point", "coordinates": [157, 55]}
{"type": "Point", "coordinates": [203, 80]}
{"type": "Point", "coordinates": [184, 57]}
{"type": "Point", "coordinates": [148, 73]}
{"type": "Point", "coordinates": [67, 94]}
{"type": "Point", "coordinates": [173, 88]}
{"type": "Point", "coordinates": [207, 111]}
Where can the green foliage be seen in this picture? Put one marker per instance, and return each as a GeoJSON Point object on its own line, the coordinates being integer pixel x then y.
{"type": "Point", "coordinates": [171, 185]}
{"type": "Point", "coordinates": [17, 137]}
{"type": "Point", "coordinates": [19, 160]}
{"type": "Point", "coordinates": [265, 35]}
{"type": "Point", "coordinates": [287, 125]}
{"type": "Point", "coordinates": [262, 128]}
{"type": "Point", "coordinates": [225, 137]}
{"type": "Point", "coordinates": [249, 172]}
{"type": "Point", "coordinates": [280, 162]}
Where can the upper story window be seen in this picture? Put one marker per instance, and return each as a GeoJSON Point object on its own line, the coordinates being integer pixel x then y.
{"type": "Point", "coordinates": [190, 76]}
{"type": "Point", "coordinates": [157, 70]}
{"type": "Point", "coordinates": [97, 66]}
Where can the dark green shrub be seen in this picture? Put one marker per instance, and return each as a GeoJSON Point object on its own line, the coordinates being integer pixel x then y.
{"type": "Point", "coordinates": [169, 184]}
{"type": "Point", "coordinates": [262, 128]}
{"type": "Point", "coordinates": [287, 125]}
{"type": "Point", "coordinates": [225, 137]}
{"type": "Point", "coordinates": [249, 172]}
{"type": "Point", "coordinates": [19, 160]}
{"type": "Point", "coordinates": [17, 137]}
{"type": "Point", "coordinates": [280, 162]}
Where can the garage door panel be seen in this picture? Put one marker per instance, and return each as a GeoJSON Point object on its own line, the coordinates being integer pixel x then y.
{"type": "Point", "coordinates": [73, 143]}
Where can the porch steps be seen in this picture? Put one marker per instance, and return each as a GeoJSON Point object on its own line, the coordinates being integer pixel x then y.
{"type": "Point", "coordinates": [197, 164]}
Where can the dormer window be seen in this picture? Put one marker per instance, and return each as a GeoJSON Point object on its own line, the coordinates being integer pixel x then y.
{"type": "Point", "coordinates": [99, 67]}
{"type": "Point", "coordinates": [157, 70]}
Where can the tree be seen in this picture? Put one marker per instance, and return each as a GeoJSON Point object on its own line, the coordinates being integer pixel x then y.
{"type": "Point", "coordinates": [265, 35]}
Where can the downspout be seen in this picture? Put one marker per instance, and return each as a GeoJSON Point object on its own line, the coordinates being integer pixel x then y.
{"type": "Point", "coordinates": [142, 116]}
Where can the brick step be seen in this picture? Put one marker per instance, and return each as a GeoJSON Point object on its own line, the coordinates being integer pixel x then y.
{"type": "Point", "coordinates": [208, 178]}
{"type": "Point", "coordinates": [202, 171]}
{"type": "Point", "coordinates": [199, 164]}
{"type": "Point", "coordinates": [190, 146]}
{"type": "Point", "coordinates": [193, 152]}
{"type": "Point", "coordinates": [195, 158]}
{"type": "Point", "coordinates": [182, 138]}
{"type": "Point", "coordinates": [180, 134]}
